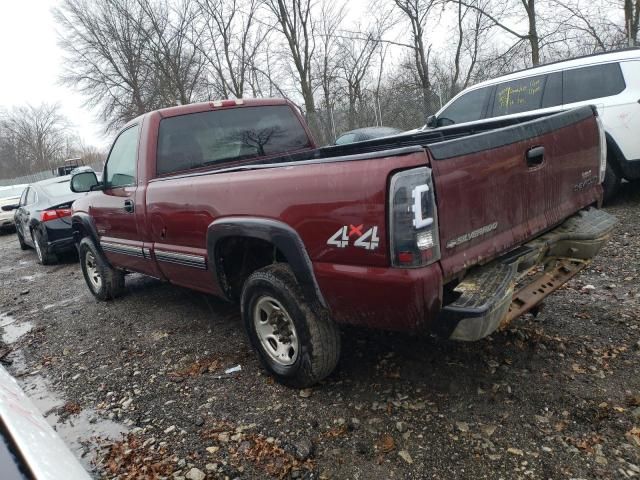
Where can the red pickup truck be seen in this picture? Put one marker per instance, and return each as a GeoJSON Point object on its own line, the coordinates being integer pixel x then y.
{"type": "Point", "coordinates": [454, 231]}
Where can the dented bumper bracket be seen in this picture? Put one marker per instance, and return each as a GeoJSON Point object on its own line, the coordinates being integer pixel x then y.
{"type": "Point", "coordinates": [491, 296]}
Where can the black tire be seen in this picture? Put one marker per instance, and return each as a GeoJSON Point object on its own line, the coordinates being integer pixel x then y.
{"type": "Point", "coordinates": [95, 266]}
{"type": "Point", "coordinates": [611, 183]}
{"type": "Point", "coordinates": [45, 256]}
{"type": "Point", "coordinates": [23, 246]}
{"type": "Point", "coordinates": [318, 337]}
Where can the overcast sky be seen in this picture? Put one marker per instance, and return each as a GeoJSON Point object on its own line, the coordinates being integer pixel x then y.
{"type": "Point", "coordinates": [31, 64]}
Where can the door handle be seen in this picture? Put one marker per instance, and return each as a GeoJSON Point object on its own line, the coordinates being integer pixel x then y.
{"type": "Point", "coordinates": [128, 206]}
{"type": "Point", "coordinates": [535, 156]}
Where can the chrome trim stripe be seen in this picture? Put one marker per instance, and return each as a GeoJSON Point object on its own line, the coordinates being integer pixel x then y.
{"type": "Point", "coordinates": [121, 249]}
{"type": "Point", "coordinates": [195, 261]}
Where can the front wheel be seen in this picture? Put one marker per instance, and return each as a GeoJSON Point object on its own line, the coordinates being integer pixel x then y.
{"type": "Point", "coordinates": [296, 341]}
{"type": "Point", "coordinates": [104, 281]}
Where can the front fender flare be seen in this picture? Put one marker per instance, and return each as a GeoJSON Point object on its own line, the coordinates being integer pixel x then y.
{"type": "Point", "coordinates": [285, 238]}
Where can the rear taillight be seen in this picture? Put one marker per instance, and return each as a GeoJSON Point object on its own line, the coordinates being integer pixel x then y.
{"type": "Point", "coordinates": [47, 215]}
{"type": "Point", "coordinates": [413, 220]}
{"type": "Point", "coordinates": [603, 149]}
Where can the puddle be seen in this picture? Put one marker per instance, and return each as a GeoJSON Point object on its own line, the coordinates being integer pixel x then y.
{"type": "Point", "coordinates": [6, 319]}
{"type": "Point", "coordinates": [62, 303]}
{"type": "Point", "coordinates": [31, 278]}
{"type": "Point", "coordinates": [79, 432]}
{"type": "Point", "coordinates": [12, 330]}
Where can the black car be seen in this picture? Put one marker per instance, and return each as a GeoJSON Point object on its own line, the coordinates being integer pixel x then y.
{"type": "Point", "coordinates": [367, 133]}
{"type": "Point", "coordinates": [43, 218]}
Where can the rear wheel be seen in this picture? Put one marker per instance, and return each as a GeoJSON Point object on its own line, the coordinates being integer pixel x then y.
{"type": "Point", "coordinates": [104, 281]}
{"type": "Point", "coordinates": [611, 183]}
{"type": "Point", "coordinates": [296, 340]}
{"type": "Point", "coordinates": [45, 256]}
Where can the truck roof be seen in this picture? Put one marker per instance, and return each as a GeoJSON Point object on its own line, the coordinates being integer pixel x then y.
{"type": "Point", "coordinates": [204, 106]}
{"type": "Point", "coordinates": [211, 105]}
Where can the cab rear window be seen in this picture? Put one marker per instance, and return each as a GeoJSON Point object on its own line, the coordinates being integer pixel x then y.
{"type": "Point", "coordinates": [223, 136]}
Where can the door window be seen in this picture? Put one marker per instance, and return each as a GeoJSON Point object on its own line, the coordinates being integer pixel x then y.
{"type": "Point", "coordinates": [32, 197]}
{"type": "Point", "coordinates": [468, 108]}
{"type": "Point", "coordinates": [517, 96]}
{"type": "Point", "coordinates": [23, 197]}
{"type": "Point", "coordinates": [121, 164]}
{"type": "Point", "coordinates": [593, 82]}
{"type": "Point", "coordinates": [552, 96]}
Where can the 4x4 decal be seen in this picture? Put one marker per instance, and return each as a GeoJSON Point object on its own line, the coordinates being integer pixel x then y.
{"type": "Point", "coordinates": [368, 240]}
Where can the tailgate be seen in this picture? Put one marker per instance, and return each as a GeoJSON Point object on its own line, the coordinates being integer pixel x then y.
{"type": "Point", "coordinates": [498, 189]}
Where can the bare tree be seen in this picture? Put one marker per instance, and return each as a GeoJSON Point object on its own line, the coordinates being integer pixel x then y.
{"type": "Point", "coordinates": [169, 29]}
{"type": "Point", "coordinates": [471, 27]}
{"type": "Point", "coordinates": [232, 43]}
{"type": "Point", "coordinates": [632, 21]}
{"type": "Point", "coordinates": [417, 12]}
{"type": "Point", "coordinates": [326, 62]}
{"type": "Point", "coordinates": [38, 136]}
{"type": "Point", "coordinates": [294, 20]}
{"type": "Point", "coordinates": [106, 56]}
{"type": "Point", "coordinates": [502, 16]}
{"type": "Point", "coordinates": [355, 66]}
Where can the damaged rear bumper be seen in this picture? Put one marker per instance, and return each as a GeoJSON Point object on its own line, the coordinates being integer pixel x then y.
{"type": "Point", "coordinates": [492, 295]}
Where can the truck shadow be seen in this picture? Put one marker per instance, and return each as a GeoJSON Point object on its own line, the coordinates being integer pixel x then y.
{"type": "Point", "coordinates": [628, 195]}
{"type": "Point", "coordinates": [368, 356]}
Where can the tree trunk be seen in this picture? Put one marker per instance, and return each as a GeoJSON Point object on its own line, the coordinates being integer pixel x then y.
{"type": "Point", "coordinates": [534, 40]}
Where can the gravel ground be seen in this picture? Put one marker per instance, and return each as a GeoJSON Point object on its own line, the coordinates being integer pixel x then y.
{"type": "Point", "coordinates": [555, 396]}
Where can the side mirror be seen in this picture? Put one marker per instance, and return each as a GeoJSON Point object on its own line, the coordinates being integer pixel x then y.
{"type": "Point", "coordinates": [84, 182]}
{"type": "Point", "coordinates": [8, 208]}
{"type": "Point", "coordinates": [432, 121]}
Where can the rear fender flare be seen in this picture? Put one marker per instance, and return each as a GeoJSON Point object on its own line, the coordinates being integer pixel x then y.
{"type": "Point", "coordinates": [285, 239]}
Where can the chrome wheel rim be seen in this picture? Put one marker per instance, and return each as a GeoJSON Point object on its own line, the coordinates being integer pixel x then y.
{"type": "Point", "coordinates": [276, 331]}
{"type": "Point", "coordinates": [93, 274]}
{"type": "Point", "coordinates": [37, 245]}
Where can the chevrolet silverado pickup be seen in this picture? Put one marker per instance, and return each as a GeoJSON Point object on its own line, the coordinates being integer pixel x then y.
{"type": "Point", "coordinates": [453, 232]}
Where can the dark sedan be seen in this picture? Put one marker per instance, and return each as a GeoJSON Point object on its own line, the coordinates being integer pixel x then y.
{"type": "Point", "coordinates": [43, 218]}
{"type": "Point", "coordinates": [367, 133]}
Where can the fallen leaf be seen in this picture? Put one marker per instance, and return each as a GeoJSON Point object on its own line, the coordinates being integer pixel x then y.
{"type": "Point", "coordinates": [488, 430]}
{"type": "Point", "coordinates": [633, 400]}
{"type": "Point", "coordinates": [634, 436]}
{"type": "Point", "coordinates": [385, 443]}
{"type": "Point", "coordinates": [462, 426]}
{"type": "Point", "coordinates": [577, 368]}
{"type": "Point", "coordinates": [560, 426]}
{"type": "Point", "coordinates": [405, 456]}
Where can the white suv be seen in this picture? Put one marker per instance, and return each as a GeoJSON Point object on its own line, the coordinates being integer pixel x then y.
{"type": "Point", "coordinates": [610, 81]}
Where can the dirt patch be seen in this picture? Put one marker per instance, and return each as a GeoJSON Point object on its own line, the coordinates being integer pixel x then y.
{"type": "Point", "coordinates": [554, 396]}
